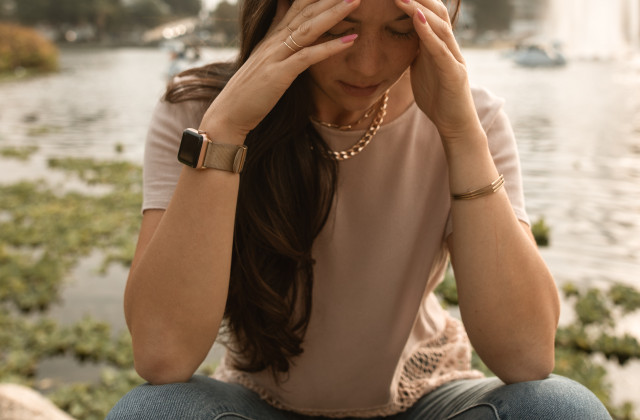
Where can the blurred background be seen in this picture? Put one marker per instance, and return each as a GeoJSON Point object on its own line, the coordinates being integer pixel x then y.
{"type": "Point", "coordinates": [79, 80]}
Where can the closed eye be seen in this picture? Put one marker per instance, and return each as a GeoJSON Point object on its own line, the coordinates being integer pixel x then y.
{"type": "Point", "coordinates": [338, 34]}
{"type": "Point", "coordinates": [402, 35]}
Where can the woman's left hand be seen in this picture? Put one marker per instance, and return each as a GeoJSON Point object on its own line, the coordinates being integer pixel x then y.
{"type": "Point", "coordinates": [439, 73]}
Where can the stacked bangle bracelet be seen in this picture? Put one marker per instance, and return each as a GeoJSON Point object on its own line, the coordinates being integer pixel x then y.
{"type": "Point", "coordinates": [481, 192]}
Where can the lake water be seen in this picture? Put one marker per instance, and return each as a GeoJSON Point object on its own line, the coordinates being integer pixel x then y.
{"type": "Point", "coordinates": [578, 131]}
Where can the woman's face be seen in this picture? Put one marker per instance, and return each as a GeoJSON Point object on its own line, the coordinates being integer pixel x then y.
{"type": "Point", "coordinates": [354, 80]}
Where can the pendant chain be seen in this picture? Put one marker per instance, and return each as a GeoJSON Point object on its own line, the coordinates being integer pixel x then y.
{"type": "Point", "coordinates": [368, 135]}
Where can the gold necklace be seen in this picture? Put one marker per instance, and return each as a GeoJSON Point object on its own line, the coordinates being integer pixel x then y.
{"type": "Point", "coordinates": [348, 126]}
{"type": "Point", "coordinates": [368, 135]}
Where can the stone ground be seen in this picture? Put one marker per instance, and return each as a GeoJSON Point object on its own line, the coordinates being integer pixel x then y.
{"type": "Point", "coordinates": [21, 403]}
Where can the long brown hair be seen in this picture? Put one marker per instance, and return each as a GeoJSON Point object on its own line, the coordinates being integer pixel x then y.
{"type": "Point", "coordinates": [286, 192]}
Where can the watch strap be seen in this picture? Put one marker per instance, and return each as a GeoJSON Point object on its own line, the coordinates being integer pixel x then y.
{"type": "Point", "coordinates": [226, 157]}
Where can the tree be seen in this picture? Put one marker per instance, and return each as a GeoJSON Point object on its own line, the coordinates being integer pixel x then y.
{"type": "Point", "coordinates": [492, 15]}
{"type": "Point", "coordinates": [99, 13]}
{"type": "Point", "coordinates": [184, 7]}
{"type": "Point", "coordinates": [225, 19]}
{"type": "Point", "coordinates": [148, 13]}
{"type": "Point", "coordinates": [32, 11]}
{"type": "Point", "coordinates": [7, 9]}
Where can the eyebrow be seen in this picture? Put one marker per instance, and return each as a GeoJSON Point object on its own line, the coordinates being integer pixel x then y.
{"type": "Point", "coordinates": [404, 16]}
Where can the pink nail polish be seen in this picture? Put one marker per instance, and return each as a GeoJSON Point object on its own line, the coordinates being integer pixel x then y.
{"type": "Point", "coordinates": [347, 39]}
{"type": "Point", "coordinates": [421, 16]}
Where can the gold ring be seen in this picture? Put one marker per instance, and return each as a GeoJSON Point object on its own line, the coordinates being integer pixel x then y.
{"type": "Point", "coordinates": [289, 29]}
{"type": "Point", "coordinates": [289, 46]}
{"type": "Point", "coordinates": [294, 42]}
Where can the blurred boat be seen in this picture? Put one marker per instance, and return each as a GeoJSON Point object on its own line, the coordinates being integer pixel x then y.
{"type": "Point", "coordinates": [182, 57]}
{"type": "Point", "coordinates": [538, 55]}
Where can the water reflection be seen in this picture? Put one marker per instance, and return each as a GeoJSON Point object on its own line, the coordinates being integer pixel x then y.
{"type": "Point", "coordinates": [99, 99]}
{"type": "Point", "coordinates": [578, 129]}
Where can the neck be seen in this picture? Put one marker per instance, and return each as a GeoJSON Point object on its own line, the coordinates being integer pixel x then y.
{"type": "Point", "coordinates": [368, 114]}
{"type": "Point", "coordinates": [346, 119]}
{"type": "Point", "coordinates": [400, 98]}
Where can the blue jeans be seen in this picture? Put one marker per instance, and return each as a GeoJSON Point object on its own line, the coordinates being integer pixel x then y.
{"type": "Point", "coordinates": [204, 398]}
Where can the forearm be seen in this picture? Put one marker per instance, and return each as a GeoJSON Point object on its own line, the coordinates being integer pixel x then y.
{"type": "Point", "coordinates": [177, 288]}
{"type": "Point", "coordinates": [508, 299]}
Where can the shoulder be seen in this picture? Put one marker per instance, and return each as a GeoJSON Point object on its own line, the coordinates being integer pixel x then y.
{"type": "Point", "coordinates": [488, 105]}
{"type": "Point", "coordinates": [189, 111]}
{"type": "Point", "coordinates": [175, 112]}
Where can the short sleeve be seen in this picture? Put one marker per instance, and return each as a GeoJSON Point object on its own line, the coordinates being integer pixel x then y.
{"type": "Point", "coordinates": [503, 148]}
{"type": "Point", "coordinates": [161, 168]}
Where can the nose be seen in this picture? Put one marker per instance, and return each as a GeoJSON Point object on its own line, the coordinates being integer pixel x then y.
{"type": "Point", "coordinates": [367, 56]}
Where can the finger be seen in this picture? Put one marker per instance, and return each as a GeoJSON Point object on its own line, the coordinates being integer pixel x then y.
{"type": "Point", "coordinates": [439, 8]}
{"type": "Point", "coordinates": [436, 6]}
{"type": "Point", "coordinates": [310, 11]}
{"type": "Point", "coordinates": [442, 29]}
{"type": "Point", "coordinates": [300, 10]}
{"type": "Point", "coordinates": [433, 26]}
{"type": "Point", "coordinates": [323, 18]}
{"type": "Point", "coordinates": [313, 54]}
{"type": "Point", "coordinates": [287, 10]}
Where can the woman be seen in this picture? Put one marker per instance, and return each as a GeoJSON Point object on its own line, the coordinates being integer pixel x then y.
{"type": "Point", "coordinates": [324, 281]}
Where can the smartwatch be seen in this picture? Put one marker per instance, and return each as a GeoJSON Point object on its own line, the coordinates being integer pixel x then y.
{"type": "Point", "coordinates": [198, 151]}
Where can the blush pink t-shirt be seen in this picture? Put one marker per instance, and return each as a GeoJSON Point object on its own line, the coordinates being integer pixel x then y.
{"type": "Point", "coordinates": [378, 339]}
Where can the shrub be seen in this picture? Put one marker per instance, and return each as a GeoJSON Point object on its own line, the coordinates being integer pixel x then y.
{"type": "Point", "coordinates": [25, 48]}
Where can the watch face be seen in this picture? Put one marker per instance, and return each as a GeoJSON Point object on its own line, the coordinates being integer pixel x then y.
{"type": "Point", "coordinates": [190, 148]}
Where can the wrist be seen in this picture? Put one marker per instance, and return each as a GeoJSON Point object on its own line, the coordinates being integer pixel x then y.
{"type": "Point", "coordinates": [464, 144]}
{"type": "Point", "coordinates": [221, 132]}
{"type": "Point", "coordinates": [221, 127]}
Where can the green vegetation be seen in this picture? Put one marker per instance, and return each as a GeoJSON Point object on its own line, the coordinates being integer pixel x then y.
{"type": "Point", "coordinates": [20, 153]}
{"type": "Point", "coordinates": [45, 232]}
{"type": "Point", "coordinates": [43, 236]}
{"type": "Point", "coordinates": [491, 15]}
{"type": "Point", "coordinates": [105, 16]}
{"type": "Point", "coordinates": [592, 333]}
{"type": "Point", "coordinates": [112, 20]}
{"type": "Point", "coordinates": [23, 50]}
{"type": "Point", "coordinates": [540, 232]}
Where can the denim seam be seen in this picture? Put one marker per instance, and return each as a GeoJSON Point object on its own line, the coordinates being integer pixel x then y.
{"type": "Point", "coordinates": [493, 408]}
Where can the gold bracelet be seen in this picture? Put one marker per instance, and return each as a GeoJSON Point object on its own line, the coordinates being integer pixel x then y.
{"type": "Point", "coordinates": [481, 192]}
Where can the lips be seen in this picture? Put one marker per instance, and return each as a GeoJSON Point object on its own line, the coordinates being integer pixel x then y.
{"type": "Point", "coordinates": [360, 91]}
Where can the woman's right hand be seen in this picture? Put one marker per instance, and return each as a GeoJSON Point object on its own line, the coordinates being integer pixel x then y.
{"type": "Point", "coordinates": [262, 80]}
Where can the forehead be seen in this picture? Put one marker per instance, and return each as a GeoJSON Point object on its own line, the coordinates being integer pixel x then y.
{"type": "Point", "coordinates": [377, 11]}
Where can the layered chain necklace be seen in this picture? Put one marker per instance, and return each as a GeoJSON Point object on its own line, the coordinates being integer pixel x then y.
{"type": "Point", "coordinates": [368, 135]}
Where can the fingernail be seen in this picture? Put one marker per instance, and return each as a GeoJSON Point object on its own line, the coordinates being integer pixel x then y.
{"type": "Point", "coordinates": [347, 39]}
{"type": "Point", "coordinates": [406, 1]}
{"type": "Point", "coordinates": [421, 16]}
{"type": "Point", "coordinates": [349, 1]}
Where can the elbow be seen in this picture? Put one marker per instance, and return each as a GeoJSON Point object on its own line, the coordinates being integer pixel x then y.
{"type": "Point", "coordinates": [160, 363]}
{"type": "Point", "coordinates": [528, 369]}
{"type": "Point", "coordinates": [159, 370]}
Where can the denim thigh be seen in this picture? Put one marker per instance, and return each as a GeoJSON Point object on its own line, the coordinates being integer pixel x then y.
{"type": "Point", "coordinates": [490, 399]}
{"type": "Point", "coordinates": [202, 398]}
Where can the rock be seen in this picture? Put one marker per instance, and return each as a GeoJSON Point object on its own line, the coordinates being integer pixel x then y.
{"type": "Point", "coordinates": [21, 403]}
